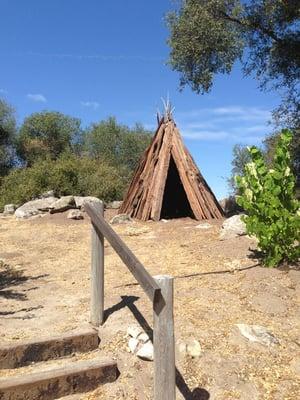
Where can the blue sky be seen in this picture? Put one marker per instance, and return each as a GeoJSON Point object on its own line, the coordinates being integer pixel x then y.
{"type": "Point", "coordinates": [92, 59]}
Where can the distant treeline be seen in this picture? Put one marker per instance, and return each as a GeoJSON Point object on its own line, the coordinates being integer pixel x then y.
{"type": "Point", "coordinates": [51, 151]}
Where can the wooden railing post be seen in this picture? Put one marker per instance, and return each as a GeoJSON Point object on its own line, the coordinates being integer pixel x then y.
{"type": "Point", "coordinates": [163, 340]}
{"type": "Point", "coordinates": [97, 272]}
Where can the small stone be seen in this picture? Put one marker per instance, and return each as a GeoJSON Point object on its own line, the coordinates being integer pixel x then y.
{"type": "Point", "coordinates": [256, 333]}
{"type": "Point", "coordinates": [164, 220]}
{"type": "Point", "coordinates": [9, 209]}
{"type": "Point", "coordinates": [146, 352]}
{"type": "Point", "coordinates": [203, 226]}
{"type": "Point", "coordinates": [143, 338]}
{"type": "Point", "coordinates": [114, 205]}
{"type": "Point", "coordinates": [133, 345]}
{"type": "Point", "coordinates": [121, 219]}
{"type": "Point", "coordinates": [75, 214]}
{"type": "Point", "coordinates": [193, 348]}
{"type": "Point", "coordinates": [134, 331]}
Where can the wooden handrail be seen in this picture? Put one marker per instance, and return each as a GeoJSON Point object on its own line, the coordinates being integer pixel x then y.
{"type": "Point", "coordinates": [143, 277]}
{"type": "Point", "coordinates": [159, 290]}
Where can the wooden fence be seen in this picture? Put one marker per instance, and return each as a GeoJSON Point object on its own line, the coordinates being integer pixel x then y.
{"type": "Point", "coordinates": [159, 289]}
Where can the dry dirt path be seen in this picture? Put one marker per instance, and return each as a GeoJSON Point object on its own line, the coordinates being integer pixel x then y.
{"type": "Point", "coordinates": [217, 286]}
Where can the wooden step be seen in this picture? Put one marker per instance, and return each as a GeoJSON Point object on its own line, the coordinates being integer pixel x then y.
{"type": "Point", "coordinates": [23, 353]}
{"type": "Point", "coordinates": [77, 377]}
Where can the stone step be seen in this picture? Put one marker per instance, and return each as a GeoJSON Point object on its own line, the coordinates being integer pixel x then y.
{"type": "Point", "coordinates": [76, 377]}
{"type": "Point", "coordinates": [18, 354]}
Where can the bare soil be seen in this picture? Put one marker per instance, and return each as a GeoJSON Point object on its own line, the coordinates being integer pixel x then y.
{"type": "Point", "coordinates": [44, 289]}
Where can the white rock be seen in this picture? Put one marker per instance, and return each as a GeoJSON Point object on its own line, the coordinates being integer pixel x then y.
{"type": "Point", "coordinates": [35, 207]}
{"type": "Point", "coordinates": [256, 333]}
{"type": "Point", "coordinates": [9, 209]}
{"type": "Point", "coordinates": [146, 351]}
{"type": "Point", "coordinates": [75, 214]}
{"type": "Point", "coordinates": [133, 345]}
{"type": "Point", "coordinates": [193, 348]}
{"type": "Point", "coordinates": [164, 220]}
{"type": "Point", "coordinates": [204, 226]}
{"type": "Point", "coordinates": [134, 331]}
{"type": "Point", "coordinates": [63, 204]}
{"type": "Point", "coordinates": [143, 338]}
{"type": "Point", "coordinates": [114, 204]}
{"type": "Point", "coordinates": [121, 219]}
{"type": "Point", "coordinates": [232, 227]}
{"type": "Point", "coordinates": [45, 195]}
{"type": "Point", "coordinates": [80, 200]}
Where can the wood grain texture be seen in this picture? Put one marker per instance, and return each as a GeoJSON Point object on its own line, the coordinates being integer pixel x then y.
{"type": "Point", "coordinates": [145, 194]}
{"type": "Point", "coordinates": [163, 341]}
{"type": "Point", "coordinates": [97, 271]}
{"type": "Point", "coordinates": [143, 277]}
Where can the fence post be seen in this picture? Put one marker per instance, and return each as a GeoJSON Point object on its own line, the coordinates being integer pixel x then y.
{"type": "Point", "coordinates": [97, 272]}
{"type": "Point", "coordinates": [163, 340]}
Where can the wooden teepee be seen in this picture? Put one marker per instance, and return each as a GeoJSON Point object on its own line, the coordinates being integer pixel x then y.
{"type": "Point", "coordinates": [167, 182]}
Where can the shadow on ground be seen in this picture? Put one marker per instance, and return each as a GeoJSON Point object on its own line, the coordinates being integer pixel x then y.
{"type": "Point", "coordinates": [10, 277]}
{"type": "Point", "coordinates": [129, 301]}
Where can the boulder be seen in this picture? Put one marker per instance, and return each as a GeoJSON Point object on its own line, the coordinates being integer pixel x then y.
{"type": "Point", "coordinates": [63, 204]}
{"type": "Point", "coordinates": [121, 219]}
{"type": "Point", "coordinates": [9, 209]}
{"type": "Point", "coordinates": [35, 207]}
{"type": "Point", "coordinates": [75, 214]}
{"type": "Point", "coordinates": [256, 333]}
{"type": "Point", "coordinates": [233, 227]}
{"type": "Point", "coordinates": [114, 204]}
{"type": "Point", "coordinates": [80, 200]}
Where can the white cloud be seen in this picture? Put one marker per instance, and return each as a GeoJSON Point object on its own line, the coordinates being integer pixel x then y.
{"type": "Point", "coordinates": [236, 124]}
{"type": "Point", "coordinates": [38, 98]}
{"type": "Point", "coordinates": [3, 91]}
{"type": "Point", "coordinates": [90, 104]}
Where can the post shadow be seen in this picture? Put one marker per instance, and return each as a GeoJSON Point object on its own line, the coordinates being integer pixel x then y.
{"type": "Point", "coordinates": [129, 301]}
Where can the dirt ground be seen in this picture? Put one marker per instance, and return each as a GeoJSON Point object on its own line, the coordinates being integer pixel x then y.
{"type": "Point", "coordinates": [218, 284]}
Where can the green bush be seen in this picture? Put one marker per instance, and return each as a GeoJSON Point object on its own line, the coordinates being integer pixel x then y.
{"type": "Point", "coordinates": [268, 197]}
{"type": "Point", "coordinates": [69, 174]}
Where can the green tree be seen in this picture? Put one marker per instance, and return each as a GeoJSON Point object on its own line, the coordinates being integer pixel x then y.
{"type": "Point", "coordinates": [208, 36]}
{"type": "Point", "coordinates": [47, 134]}
{"type": "Point", "coordinates": [7, 137]}
{"type": "Point", "coordinates": [241, 157]}
{"type": "Point", "coordinates": [116, 143]}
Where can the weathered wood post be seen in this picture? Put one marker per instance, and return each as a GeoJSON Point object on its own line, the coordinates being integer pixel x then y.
{"type": "Point", "coordinates": [163, 340]}
{"type": "Point", "coordinates": [97, 272]}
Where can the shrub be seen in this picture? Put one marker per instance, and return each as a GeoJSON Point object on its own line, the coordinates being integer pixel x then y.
{"type": "Point", "coordinates": [267, 195]}
{"type": "Point", "coordinates": [69, 174]}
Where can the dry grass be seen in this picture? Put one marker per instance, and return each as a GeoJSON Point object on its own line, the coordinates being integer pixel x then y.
{"type": "Point", "coordinates": [217, 285]}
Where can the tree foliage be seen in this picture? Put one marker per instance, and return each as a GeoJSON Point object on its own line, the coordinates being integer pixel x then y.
{"type": "Point", "coordinates": [47, 134]}
{"type": "Point", "coordinates": [116, 143]}
{"type": "Point", "coordinates": [7, 136]}
{"type": "Point", "coordinates": [241, 157]}
{"type": "Point", "coordinates": [267, 195]}
{"type": "Point", "coordinates": [208, 36]}
{"type": "Point", "coordinates": [69, 174]}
